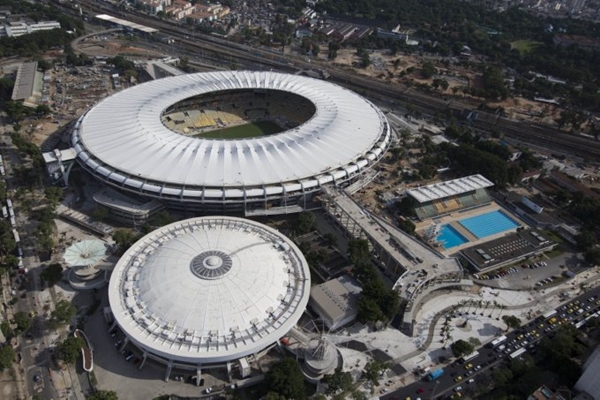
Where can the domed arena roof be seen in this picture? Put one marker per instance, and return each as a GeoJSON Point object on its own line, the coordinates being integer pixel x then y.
{"type": "Point", "coordinates": [209, 290]}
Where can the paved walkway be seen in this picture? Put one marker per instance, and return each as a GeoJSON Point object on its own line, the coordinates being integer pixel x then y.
{"type": "Point", "coordinates": [590, 278]}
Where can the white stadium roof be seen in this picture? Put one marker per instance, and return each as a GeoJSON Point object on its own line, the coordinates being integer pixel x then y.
{"type": "Point", "coordinates": [209, 290]}
{"type": "Point", "coordinates": [454, 187]}
{"type": "Point", "coordinates": [123, 141]}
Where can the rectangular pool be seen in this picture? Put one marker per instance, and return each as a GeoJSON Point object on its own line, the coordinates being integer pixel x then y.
{"type": "Point", "coordinates": [450, 237]}
{"type": "Point", "coordinates": [488, 224]}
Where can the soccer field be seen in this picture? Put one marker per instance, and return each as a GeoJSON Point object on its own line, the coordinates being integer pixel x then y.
{"type": "Point", "coordinates": [256, 129]}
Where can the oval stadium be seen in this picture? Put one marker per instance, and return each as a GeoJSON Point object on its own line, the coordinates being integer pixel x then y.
{"type": "Point", "coordinates": [233, 141]}
{"type": "Point", "coordinates": [209, 291]}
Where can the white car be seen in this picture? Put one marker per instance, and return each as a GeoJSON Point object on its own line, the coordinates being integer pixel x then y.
{"type": "Point", "coordinates": [458, 388]}
{"type": "Point", "coordinates": [471, 380]}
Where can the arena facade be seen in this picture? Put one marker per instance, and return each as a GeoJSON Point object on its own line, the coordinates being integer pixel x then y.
{"type": "Point", "coordinates": [168, 139]}
{"type": "Point", "coordinates": [209, 291]}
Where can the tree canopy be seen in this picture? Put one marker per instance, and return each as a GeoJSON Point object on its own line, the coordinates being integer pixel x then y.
{"type": "Point", "coordinates": [103, 395]}
{"type": "Point", "coordinates": [70, 349]}
{"type": "Point", "coordinates": [285, 379]}
{"type": "Point", "coordinates": [7, 357]}
{"type": "Point", "coordinates": [511, 321]}
{"type": "Point", "coordinates": [52, 274]}
{"type": "Point", "coordinates": [462, 347]}
{"type": "Point", "coordinates": [62, 313]}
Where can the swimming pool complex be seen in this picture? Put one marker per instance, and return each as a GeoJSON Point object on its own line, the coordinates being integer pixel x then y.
{"type": "Point", "coordinates": [479, 226]}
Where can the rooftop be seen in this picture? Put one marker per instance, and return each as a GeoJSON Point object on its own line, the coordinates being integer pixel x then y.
{"type": "Point", "coordinates": [232, 287]}
{"type": "Point", "coordinates": [454, 187]}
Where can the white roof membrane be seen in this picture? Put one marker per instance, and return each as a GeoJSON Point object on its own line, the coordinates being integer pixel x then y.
{"type": "Point", "coordinates": [209, 290]}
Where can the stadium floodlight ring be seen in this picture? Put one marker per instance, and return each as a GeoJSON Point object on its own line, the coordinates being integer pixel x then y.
{"type": "Point", "coordinates": [123, 141]}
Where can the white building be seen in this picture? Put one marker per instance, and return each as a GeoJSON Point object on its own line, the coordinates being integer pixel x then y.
{"type": "Point", "coordinates": [207, 292]}
{"type": "Point", "coordinates": [329, 135]}
{"type": "Point", "coordinates": [20, 28]}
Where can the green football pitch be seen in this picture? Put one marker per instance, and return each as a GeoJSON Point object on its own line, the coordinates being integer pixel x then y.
{"type": "Point", "coordinates": [255, 129]}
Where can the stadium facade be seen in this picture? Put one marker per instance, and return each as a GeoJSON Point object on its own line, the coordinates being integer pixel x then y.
{"type": "Point", "coordinates": [210, 291]}
{"type": "Point", "coordinates": [131, 141]}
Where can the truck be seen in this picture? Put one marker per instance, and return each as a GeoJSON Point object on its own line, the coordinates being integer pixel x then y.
{"type": "Point", "coordinates": [435, 374]}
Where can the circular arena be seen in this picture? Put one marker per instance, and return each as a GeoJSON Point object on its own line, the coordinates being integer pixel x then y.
{"type": "Point", "coordinates": [208, 291]}
{"type": "Point", "coordinates": [238, 141]}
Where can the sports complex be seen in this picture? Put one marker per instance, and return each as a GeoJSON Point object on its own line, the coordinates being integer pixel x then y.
{"type": "Point", "coordinates": [460, 217]}
{"type": "Point", "coordinates": [236, 141]}
{"type": "Point", "coordinates": [208, 292]}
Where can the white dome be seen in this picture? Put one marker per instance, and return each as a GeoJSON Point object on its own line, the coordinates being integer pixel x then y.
{"type": "Point", "coordinates": [209, 290]}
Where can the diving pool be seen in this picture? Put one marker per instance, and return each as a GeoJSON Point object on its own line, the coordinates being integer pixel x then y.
{"type": "Point", "coordinates": [488, 224]}
{"type": "Point", "coordinates": [450, 237]}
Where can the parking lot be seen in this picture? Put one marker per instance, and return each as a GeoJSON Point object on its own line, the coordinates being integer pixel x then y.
{"type": "Point", "coordinates": [117, 368]}
{"type": "Point", "coordinates": [532, 274]}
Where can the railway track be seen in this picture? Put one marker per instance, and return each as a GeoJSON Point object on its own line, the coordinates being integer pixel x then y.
{"type": "Point", "coordinates": [541, 136]}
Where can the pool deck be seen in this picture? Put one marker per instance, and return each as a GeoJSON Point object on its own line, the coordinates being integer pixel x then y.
{"type": "Point", "coordinates": [452, 219]}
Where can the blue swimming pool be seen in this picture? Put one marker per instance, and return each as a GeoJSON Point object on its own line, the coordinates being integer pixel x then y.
{"type": "Point", "coordinates": [450, 237]}
{"type": "Point", "coordinates": [488, 224]}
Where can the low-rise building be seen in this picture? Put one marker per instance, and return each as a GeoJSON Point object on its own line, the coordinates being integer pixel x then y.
{"type": "Point", "coordinates": [336, 301]}
{"type": "Point", "coordinates": [20, 28]}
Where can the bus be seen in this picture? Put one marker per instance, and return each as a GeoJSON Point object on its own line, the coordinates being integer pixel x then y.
{"type": "Point", "coordinates": [469, 357]}
{"type": "Point", "coordinates": [498, 341]}
{"type": "Point", "coordinates": [549, 314]}
{"type": "Point", "coordinates": [517, 353]}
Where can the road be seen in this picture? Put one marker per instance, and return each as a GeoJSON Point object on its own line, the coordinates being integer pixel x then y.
{"type": "Point", "coordinates": [490, 358]}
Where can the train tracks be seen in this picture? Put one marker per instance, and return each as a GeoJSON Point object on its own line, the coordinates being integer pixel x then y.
{"type": "Point", "coordinates": [540, 136]}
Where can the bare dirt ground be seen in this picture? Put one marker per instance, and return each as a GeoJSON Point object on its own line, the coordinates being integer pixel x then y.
{"type": "Point", "coordinates": [111, 48]}
{"type": "Point", "coordinates": [388, 68]}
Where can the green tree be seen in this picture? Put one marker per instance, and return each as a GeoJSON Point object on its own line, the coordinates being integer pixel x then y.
{"type": "Point", "coordinates": [461, 348]}
{"type": "Point", "coordinates": [62, 313]}
{"type": "Point", "coordinates": [372, 371]}
{"type": "Point", "coordinates": [511, 321]}
{"type": "Point", "coordinates": [592, 256]}
{"type": "Point", "coordinates": [52, 274]}
{"type": "Point", "coordinates": [22, 320]}
{"type": "Point", "coordinates": [474, 341]}
{"type": "Point", "coordinates": [333, 48]}
{"type": "Point", "coordinates": [337, 381]}
{"type": "Point", "coordinates": [103, 395]}
{"type": "Point", "coordinates": [305, 222]}
{"type": "Point", "coordinates": [124, 238]}
{"type": "Point", "coordinates": [163, 218]}
{"type": "Point", "coordinates": [100, 213]}
{"type": "Point", "coordinates": [7, 357]}
{"type": "Point", "coordinates": [7, 330]}
{"type": "Point", "coordinates": [428, 70]}
{"type": "Point", "coordinates": [285, 378]}
{"type": "Point", "coordinates": [69, 349]}
{"type": "Point", "coordinates": [502, 376]}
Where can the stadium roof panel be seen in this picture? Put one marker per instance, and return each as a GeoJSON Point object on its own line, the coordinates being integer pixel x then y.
{"type": "Point", "coordinates": [453, 187]}
{"type": "Point", "coordinates": [209, 290]}
{"type": "Point", "coordinates": [124, 135]}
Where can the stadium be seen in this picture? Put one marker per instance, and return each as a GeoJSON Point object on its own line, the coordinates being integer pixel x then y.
{"type": "Point", "coordinates": [231, 142]}
{"type": "Point", "coordinates": [210, 291]}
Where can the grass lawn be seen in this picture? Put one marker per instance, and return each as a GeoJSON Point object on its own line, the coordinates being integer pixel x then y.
{"type": "Point", "coordinates": [256, 129]}
{"type": "Point", "coordinates": [524, 46]}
